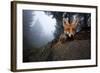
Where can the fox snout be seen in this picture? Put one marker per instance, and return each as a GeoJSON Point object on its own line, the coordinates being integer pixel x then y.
{"type": "Point", "coordinates": [70, 31]}
{"type": "Point", "coordinates": [69, 34]}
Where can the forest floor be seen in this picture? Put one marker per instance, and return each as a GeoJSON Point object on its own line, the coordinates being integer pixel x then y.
{"type": "Point", "coordinates": [79, 48]}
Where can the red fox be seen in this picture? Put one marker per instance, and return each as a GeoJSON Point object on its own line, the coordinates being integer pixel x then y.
{"type": "Point", "coordinates": [70, 28]}
{"type": "Point", "coordinates": [69, 31]}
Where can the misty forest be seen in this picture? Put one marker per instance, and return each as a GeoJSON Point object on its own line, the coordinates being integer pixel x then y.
{"type": "Point", "coordinates": [56, 36]}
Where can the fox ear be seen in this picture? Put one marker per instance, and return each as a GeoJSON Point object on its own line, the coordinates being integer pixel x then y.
{"type": "Point", "coordinates": [65, 21]}
{"type": "Point", "coordinates": [75, 20]}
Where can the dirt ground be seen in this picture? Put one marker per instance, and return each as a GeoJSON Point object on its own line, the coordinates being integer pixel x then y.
{"type": "Point", "coordinates": [76, 49]}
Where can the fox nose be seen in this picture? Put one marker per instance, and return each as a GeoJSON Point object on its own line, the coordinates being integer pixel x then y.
{"type": "Point", "coordinates": [70, 35]}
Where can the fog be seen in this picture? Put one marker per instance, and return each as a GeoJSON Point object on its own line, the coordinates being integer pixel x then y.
{"type": "Point", "coordinates": [38, 28]}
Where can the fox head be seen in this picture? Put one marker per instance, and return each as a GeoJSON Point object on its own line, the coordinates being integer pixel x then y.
{"type": "Point", "coordinates": [70, 28]}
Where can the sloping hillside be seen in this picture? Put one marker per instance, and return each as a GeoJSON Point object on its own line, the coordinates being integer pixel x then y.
{"type": "Point", "coordinates": [76, 49]}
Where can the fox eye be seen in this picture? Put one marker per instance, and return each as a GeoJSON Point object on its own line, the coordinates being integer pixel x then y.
{"type": "Point", "coordinates": [73, 29]}
{"type": "Point", "coordinates": [65, 22]}
{"type": "Point", "coordinates": [68, 29]}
